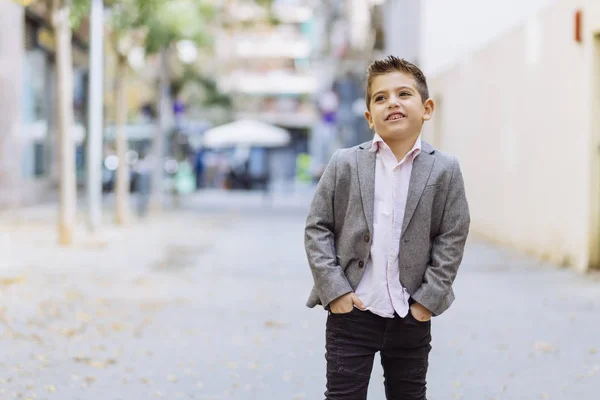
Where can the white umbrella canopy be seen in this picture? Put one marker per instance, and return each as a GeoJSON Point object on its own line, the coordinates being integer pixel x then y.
{"type": "Point", "coordinates": [246, 132]}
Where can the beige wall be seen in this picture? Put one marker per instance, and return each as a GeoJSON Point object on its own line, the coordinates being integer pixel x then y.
{"type": "Point", "coordinates": [592, 25]}
{"type": "Point", "coordinates": [518, 114]}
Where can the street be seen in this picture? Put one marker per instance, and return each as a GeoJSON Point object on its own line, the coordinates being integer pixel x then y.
{"type": "Point", "coordinates": [207, 302]}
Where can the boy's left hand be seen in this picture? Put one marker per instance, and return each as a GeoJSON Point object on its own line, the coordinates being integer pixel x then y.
{"type": "Point", "coordinates": [420, 312]}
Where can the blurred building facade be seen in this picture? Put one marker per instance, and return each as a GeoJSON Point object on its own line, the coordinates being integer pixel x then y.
{"type": "Point", "coordinates": [348, 35]}
{"type": "Point", "coordinates": [11, 67]}
{"type": "Point", "coordinates": [265, 68]}
{"type": "Point", "coordinates": [517, 88]}
{"type": "Point", "coordinates": [29, 141]}
{"type": "Point", "coordinates": [304, 73]}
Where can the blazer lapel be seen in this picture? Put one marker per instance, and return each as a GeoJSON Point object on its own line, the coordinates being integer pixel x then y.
{"type": "Point", "coordinates": [365, 163]}
{"type": "Point", "coordinates": [418, 179]}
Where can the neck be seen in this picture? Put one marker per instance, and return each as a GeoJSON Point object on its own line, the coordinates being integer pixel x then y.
{"type": "Point", "coordinates": [401, 146]}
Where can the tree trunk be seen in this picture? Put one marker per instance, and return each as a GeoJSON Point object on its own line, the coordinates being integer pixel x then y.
{"type": "Point", "coordinates": [160, 133]}
{"type": "Point", "coordinates": [122, 188]}
{"type": "Point", "coordinates": [64, 62]}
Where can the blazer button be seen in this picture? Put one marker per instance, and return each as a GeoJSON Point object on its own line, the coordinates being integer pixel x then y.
{"type": "Point", "coordinates": [361, 264]}
{"type": "Point", "coordinates": [367, 238]}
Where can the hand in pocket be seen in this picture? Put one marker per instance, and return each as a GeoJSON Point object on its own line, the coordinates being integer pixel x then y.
{"type": "Point", "coordinates": [420, 313]}
{"type": "Point", "coordinates": [344, 304]}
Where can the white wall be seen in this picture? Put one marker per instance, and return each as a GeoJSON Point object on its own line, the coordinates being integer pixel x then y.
{"type": "Point", "coordinates": [452, 28]}
{"type": "Point", "coordinates": [517, 114]}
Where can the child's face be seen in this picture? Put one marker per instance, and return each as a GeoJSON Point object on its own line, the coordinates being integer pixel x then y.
{"type": "Point", "coordinates": [397, 110]}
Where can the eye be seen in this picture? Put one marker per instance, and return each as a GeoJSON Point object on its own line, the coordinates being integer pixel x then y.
{"type": "Point", "coordinates": [378, 98]}
{"type": "Point", "coordinates": [404, 94]}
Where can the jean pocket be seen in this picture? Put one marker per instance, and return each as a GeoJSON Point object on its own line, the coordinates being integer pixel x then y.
{"type": "Point", "coordinates": [342, 314]}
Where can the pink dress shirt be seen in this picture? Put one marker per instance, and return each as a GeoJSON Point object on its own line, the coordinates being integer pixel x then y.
{"type": "Point", "coordinates": [380, 289]}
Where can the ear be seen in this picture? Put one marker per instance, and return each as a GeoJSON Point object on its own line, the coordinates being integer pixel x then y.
{"type": "Point", "coordinates": [429, 107]}
{"type": "Point", "coordinates": [369, 118]}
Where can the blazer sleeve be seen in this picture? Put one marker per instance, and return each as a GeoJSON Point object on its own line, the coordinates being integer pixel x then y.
{"type": "Point", "coordinates": [319, 239]}
{"type": "Point", "coordinates": [447, 248]}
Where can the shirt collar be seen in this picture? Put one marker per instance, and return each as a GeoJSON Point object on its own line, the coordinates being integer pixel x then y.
{"type": "Point", "coordinates": [378, 142]}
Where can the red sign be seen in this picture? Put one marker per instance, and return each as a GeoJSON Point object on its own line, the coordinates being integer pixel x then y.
{"type": "Point", "coordinates": [578, 18]}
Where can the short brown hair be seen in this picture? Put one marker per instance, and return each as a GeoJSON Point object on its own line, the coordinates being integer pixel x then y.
{"type": "Point", "coordinates": [391, 64]}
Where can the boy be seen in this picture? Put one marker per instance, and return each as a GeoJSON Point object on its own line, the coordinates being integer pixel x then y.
{"type": "Point", "coordinates": [384, 238]}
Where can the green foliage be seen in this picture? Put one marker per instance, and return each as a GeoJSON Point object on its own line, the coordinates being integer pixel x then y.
{"type": "Point", "coordinates": [212, 96]}
{"type": "Point", "coordinates": [80, 9]}
{"type": "Point", "coordinates": [175, 20]}
{"type": "Point", "coordinates": [163, 21]}
{"type": "Point", "coordinates": [131, 14]}
{"type": "Point", "coordinates": [272, 19]}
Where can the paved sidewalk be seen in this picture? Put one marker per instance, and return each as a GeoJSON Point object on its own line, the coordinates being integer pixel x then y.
{"type": "Point", "coordinates": [207, 302]}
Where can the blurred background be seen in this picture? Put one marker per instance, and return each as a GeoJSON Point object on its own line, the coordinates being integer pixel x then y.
{"type": "Point", "coordinates": [157, 158]}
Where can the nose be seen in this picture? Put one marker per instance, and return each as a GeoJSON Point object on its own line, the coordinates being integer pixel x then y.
{"type": "Point", "coordinates": [394, 102]}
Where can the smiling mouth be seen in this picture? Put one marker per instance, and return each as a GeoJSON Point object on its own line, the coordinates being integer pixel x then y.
{"type": "Point", "coordinates": [395, 117]}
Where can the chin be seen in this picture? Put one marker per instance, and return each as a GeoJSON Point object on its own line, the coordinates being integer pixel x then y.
{"type": "Point", "coordinates": [395, 134]}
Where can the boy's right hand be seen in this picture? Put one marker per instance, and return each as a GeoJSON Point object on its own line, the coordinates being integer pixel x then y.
{"type": "Point", "coordinates": [345, 303]}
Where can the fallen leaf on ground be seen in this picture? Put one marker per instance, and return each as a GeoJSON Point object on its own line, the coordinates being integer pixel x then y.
{"type": "Point", "coordinates": [273, 324]}
{"type": "Point", "coordinates": [11, 281]}
{"type": "Point", "coordinates": [83, 317]}
{"type": "Point", "coordinates": [70, 332]}
{"type": "Point", "coordinates": [74, 295]}
{"type": "Point", "coordinates": [544, 347]}
{"type": "Point", "coordinates": [95, 363]}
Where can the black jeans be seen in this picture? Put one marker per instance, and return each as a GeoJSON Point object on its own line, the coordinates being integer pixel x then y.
{"type": "Point", "coordinates": [351, 343]}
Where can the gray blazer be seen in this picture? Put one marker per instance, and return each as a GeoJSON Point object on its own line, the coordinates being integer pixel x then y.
{"type": "Point", "coordinates": [339, 227]}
